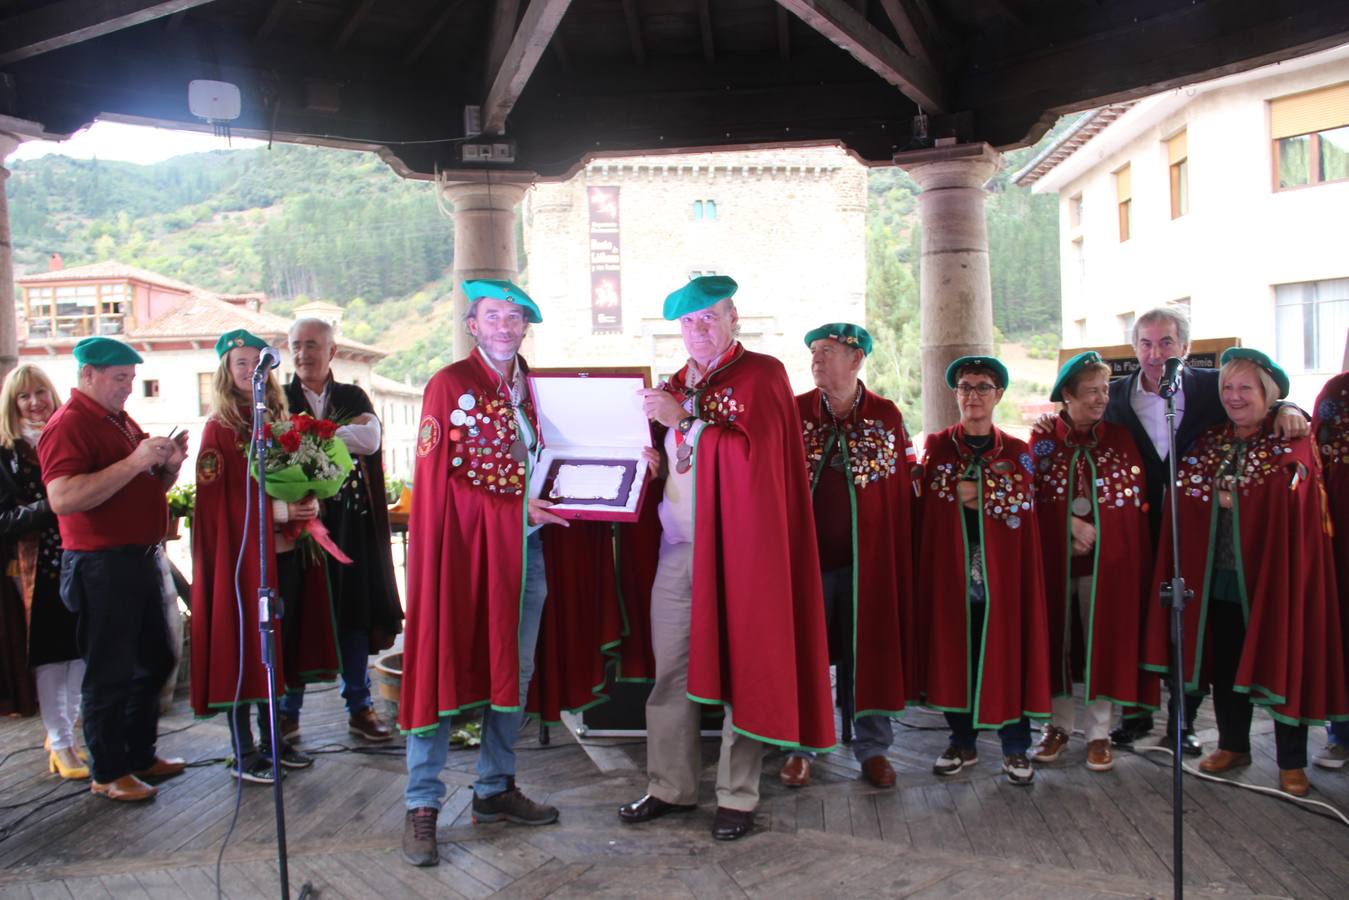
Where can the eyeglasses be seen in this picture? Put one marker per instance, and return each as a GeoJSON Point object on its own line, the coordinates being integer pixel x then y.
{"type": "Point", "coordinates": [983, 389]}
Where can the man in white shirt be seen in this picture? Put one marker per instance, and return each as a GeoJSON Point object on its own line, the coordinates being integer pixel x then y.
{"type": "Point", "coordinates": [365, 595]}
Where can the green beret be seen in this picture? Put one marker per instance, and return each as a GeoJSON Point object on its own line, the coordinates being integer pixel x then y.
{"type": "Point", "coordinates": [1071, 368]}
{"type": "Point", "coordinates": [700, 293]}
{"type": "Point", "coordinates": [847, 334]}
{"type": "Point", "coordinates": [988, 362]}
{"type": "Point", "coordinates": [237, 338]}
{"type": "Point", "coordinates": [1263, 361]}
{"type": "Point", "coordinates": [490, 289]}
{"type": "Point", "coordinates": [102, 351]}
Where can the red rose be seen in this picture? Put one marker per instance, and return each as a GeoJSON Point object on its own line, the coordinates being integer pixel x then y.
{"type": "Point", "coordinates": [290, 441]}
{"type": "Point", "coordinates": [325, 429]}
{"type": "Point", "coordinates": [303, 424]}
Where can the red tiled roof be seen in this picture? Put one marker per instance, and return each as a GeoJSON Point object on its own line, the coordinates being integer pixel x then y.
{"type": "Point", "coordinates": [110, 270]}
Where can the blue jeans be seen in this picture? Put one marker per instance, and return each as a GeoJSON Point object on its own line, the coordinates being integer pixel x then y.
{"type": "Point", "coordinates": [354, 647]}
{"type": "Point", "coordinates": [1339, 733]}
{"type": "Point", "coordinates": [1015, 736]}
{"type": "Point", "coordinates": [426, 753]}
{"type": "Point", "coordinates": [871, 736]}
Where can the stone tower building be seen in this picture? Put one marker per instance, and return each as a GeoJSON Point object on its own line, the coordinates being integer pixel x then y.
{"type": "Point", "coordinates": [605, 247]}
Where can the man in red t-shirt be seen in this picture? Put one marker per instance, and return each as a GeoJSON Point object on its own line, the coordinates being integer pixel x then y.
{"type": "Point", "coordinates": [106, 481]}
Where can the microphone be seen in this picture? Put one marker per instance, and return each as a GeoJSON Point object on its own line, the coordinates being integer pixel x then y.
{"type": "Point", "coordinates": [270, 359]}
{"type": "Point", "coordinates": [1170, 382]}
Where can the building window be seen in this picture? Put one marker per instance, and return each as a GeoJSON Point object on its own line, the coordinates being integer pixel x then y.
{"type": "Point", "coordinates": [1311, 319]}
{"type": "Point", "coordinates": [205, 392]}
{"type": "Point", "coordinates": [698, 273]}
{"type": "Point", "coordinates": [1075, 212]}
{"type": "Point", "coordinates": [1180, 305]}
{"type": "Point", "coordinates": [704, 209]}
{"type": "Point", "coordinates": [1124, 197]}
{"type": "Point", "coordinates": [1080, 261]}
{"type": "Point", "coordinates": [1177, 152]}
{"type": "Point", "coordinates": [150, 387]}
{"type": "Point", "coordinates": [1126, 327]}
{"type": "Point", "coordinates": [1310, 132]}
{"type": "Point", "coordinates": [76, 310]}
{"type": "Point", "coordinates": [1080, 329]}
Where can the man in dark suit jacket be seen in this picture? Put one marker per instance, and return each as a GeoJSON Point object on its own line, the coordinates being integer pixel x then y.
{"type": "Point", "coordinates": [1159, 335]}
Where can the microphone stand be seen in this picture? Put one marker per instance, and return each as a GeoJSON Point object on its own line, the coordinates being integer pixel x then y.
{"type": "Point", "coordinates": [1174, 595]}
{"type": "Point", "coordinates": [270, 610]}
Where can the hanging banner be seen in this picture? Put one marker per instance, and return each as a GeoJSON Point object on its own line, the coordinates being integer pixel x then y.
{"type": "Point", "coordinates": [606, 297]}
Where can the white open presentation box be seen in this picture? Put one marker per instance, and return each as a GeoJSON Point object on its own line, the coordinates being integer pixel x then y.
{"type": "Point", "coordinates": [593, 431]}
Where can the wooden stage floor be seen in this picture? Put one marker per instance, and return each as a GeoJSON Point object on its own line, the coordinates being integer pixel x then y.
{"type": "Point", "coordinates": [1072, 834]}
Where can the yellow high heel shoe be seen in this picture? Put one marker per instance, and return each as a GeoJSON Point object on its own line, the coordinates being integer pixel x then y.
{"type": "Point", "coordinates": [80, 752]}
{"type": "Point", "coordinates": [56, 767]}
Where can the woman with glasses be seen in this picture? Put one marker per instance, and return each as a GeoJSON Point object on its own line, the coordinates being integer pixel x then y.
{"type": "Point", "coordinates": [1264, 625]}
{"type": "Point", "coordinates": [1091, 504]}
{"type": "Point", "coordinates": [981, 599]}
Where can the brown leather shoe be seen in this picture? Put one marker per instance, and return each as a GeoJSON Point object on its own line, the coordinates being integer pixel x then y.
{"type": "Point", "coordinates": [163, 768]}
{"type": "Point", "coordinates": [879, 772]}
{"type": "Point", "coordinates": [365, 724]}
{"type": "Point", "coordinates": [1052, 741]}
{"type": "Point", "coordinates": [1294, 781]}
{"type": "Point", "coordinates": [128, 789]}
{"type": "Point", "coordinates": [796, 771]}
{"type": "Point", "coordinates": [1222, 760]}
{"type": "Point", "coordinates": [1099, 757]}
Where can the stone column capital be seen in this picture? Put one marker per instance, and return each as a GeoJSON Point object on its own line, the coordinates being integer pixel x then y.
{"type": "Point", "coordinates": [957, 166]}
{"type": "Point", "coordinates": [467, 195]}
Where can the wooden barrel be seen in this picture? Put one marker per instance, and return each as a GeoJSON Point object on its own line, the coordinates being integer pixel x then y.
{"type": "Point", "coordinates": [388, 680]}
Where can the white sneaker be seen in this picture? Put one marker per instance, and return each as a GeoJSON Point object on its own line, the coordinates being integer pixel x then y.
{"type": "Point", "coordinates": [1334, 756]}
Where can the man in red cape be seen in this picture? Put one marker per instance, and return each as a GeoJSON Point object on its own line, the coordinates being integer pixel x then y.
{"type": "Point", "coordinates": [1330, 430]}
{"type": "Point", "coordinates": [477, 577]}
{"type": "Point", "coordinates": [307, 645]}
{"type": "Point", "coordinates": [858, 456]}
{"type": "Point", "coordinates": [1090, 504]}
{"type": "Point", "coordinates": [983, 631]}
{"type": "Point", "coordinates": [736, 611]}
{"type": "Point", "coordinates": [1264, 625]}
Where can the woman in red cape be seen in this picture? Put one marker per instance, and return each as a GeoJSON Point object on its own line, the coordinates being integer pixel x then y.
{"type": "Point", "coordinates": [982, 630]}
{"type": "Point", "coordinates": [223, 617]}
{"type": "Point", "coordinates": [1264, 625]}
{"type": "Point", "coordinates": [1091, 507]}
{"type": "Point", "coordinates": [1330, 430]}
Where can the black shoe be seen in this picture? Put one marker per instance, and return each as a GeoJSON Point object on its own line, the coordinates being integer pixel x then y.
{"type": "Point", "coordinates": [732, 824]}
{"type": "Point", "coordinates": [1189, 744]}
{"type": "Point", "coordinates": [290, 758]}
{"type": "Point", "coordinates": [1131, 730]}
{"type": "Point", "coordinates": [649, 808]}
{"type": "Point", "coordinates": [512, 806]}
{"type": "Point", "coordinates": [419, 836]}
{"type": "Point", "coordinates": [255, 769]}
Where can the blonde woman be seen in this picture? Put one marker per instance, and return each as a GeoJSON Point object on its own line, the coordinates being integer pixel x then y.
{"type": "Point", "coordinates": [32, 553]}
{"type": "Point", "coordinates": [306, 649]}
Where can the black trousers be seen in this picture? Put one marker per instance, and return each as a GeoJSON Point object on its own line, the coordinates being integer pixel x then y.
{"type": "Point", "coordinates": [1226, 635]}
{"type": "Point", "coordinates": [124, 641]}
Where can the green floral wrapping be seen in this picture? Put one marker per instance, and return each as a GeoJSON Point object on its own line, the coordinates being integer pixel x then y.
{"type": "Point", "coordinates": [292, 484]}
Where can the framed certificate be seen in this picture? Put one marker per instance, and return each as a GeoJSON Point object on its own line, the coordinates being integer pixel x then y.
{"type": "Point", "coordinates": [592, 430]}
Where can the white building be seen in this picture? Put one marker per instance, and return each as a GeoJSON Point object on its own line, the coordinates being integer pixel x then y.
{"type": "Point", "coordinates": [174, 326]}
{"type": "Point", "coordinates": [1228, 198]}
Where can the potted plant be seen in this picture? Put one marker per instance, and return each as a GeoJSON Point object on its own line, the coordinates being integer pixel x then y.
{"type": "Point", "coordinates": [182, 499]}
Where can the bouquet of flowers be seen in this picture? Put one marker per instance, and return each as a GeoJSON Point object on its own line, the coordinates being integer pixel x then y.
{"type": "Point", "coordinates": [305, 458]}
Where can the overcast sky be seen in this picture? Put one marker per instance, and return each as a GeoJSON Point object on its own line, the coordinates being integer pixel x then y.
{"type": "Point", "coordinates": [129, 143]}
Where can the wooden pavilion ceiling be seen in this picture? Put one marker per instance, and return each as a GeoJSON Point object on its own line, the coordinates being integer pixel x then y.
{"type": "Point", "coordinates": [564, 79]}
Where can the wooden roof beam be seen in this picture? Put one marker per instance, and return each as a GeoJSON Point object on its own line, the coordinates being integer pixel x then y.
{"type": "Point", "coordinates": [838, 21]}
{"type": "Point", "coordinates": [56, 25]}
{"type": "Point", "coordinates": [900, 16]}
{"type": "Point", "coordinates": [354, 21]}
{"type": "Point", "coordinates": [517, 65]}
{"type": "Point", "coordinates": [273, 19]}
{"type": "Point", "coordinates": [784, 34]}
{"type": "Point", "coordinates": [705, 26]}
{"type": "Point", "coordinates": [633, 16]}
{"type": "Point", "coordinates": [431, 30]}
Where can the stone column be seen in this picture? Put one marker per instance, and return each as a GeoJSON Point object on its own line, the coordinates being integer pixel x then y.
{"type": "Point", "coordinates": [9, 342]}
{"type": "Point", "coordinates": [955, 291]}
{"type": "Point", "coordinates": [484, 240]}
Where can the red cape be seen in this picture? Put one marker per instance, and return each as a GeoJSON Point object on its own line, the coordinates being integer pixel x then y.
{"type": "Point", "coordinates": [1011, 677]}
{"type": "Point", "coordinates": [879, 455]}
{"type": "Point", "coordinates": [1330, 430]}
{"type": "Point", "coordinates": [758, 639]}
{"type": "Point", "coordinates": [1108, 663]}
{"type": "Point", "coordinates": [1292, 660]}
{"type": "Point", "coordinates": [217, 533]}
{"type": "Point", "coordinates": [465, 572]}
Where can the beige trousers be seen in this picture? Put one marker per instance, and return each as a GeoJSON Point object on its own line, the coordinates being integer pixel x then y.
{"type": "Point", "coordinates": [1065, 708]}
{"type": "Point", "coordinates": [673, 745]}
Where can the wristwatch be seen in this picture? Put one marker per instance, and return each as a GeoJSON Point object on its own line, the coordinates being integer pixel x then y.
{"type": "Point", "coordinates": [685, 424]}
